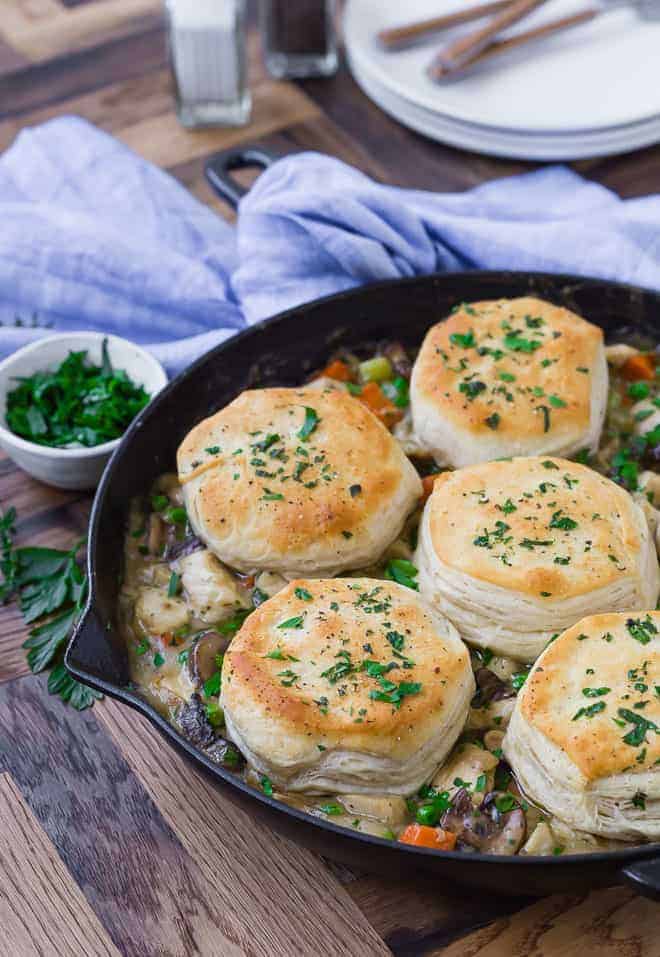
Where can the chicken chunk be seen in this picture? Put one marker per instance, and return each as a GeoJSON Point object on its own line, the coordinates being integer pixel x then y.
{"type": "Point", "coordinates": [211, 591]}
{"type": "Point", "coordinates": [389, 810]}
{"type": "Point", "coordinates": [467, 766]}
{"type": "Point", "coordinates": [158, 614]}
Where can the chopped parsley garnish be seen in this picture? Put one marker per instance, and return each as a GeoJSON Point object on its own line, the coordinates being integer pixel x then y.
{"type": "Point", "coordinates": [212, 685]}
{"type": "Point", "coordinates": [354, 490]}
{"type": "Point", "coordinates": [303, 594]}
{"type": "Point", "coordinates": [173, 585]}
{"type": "Point", "coordinates": [464, 340]}
{"type": "Point", "coordinates": [556, 402]}
{"type": "Point", "coordinates": [213, 449]}
{"type": "Point", "coordinates": [639, 800]}
{"type": "Point", "coordinates": [295, 622]}
{"type": "Point", "coordinates": [288, 677]}
{"type": "Point", "coordinates": [159, 503]}
{"type": "Point", "coordinates": [507, 377]}
{"type": "Point", "coordinates": [518, 343]}
{"type": "Point", "coordinates": [595, 692]}
{"type": "Point", "coordinates": [507, 507]}
{"type": "Point", "coordinates": [548, 464]}
{"type": "Point", "coordinates": [493, 421]}
{"type": "Point", "coordinates": [589, 711]}
{"type": "Point", "coordinates": [396, 639]}
{"type": "Point", "coordinates": [393, 693]}
{"type": "Point", "coordinates": [472, 389]}
{"type": "Point", "coordinates": [641, 726]}
{"type": "Point", "coordinates": [266, 443]}
{"type": "Point", "coordinates": [505, 802]}
{"type": "Point", "coordinates": [546, 417]}
{"type": "Point", "coordinates": [269, 496]}
{"type": "Point", "coordinates": [642, 630]}
{"type": "Point", "coordinates": [536, 543]}
{"type": "Point", "coordinates": [309, 425]}
{"type": "Point", "coordinates": [342, 669]}
{"type": "Point", "coordinates": [402, 571]}
{"type": "Point", "coordinates": [331, 809]}
{"type": "Point", "coordinates": [158, 660]}
{"type": "Point", "coordinates": [266, 786]}
{"type": "Point", "coordinates": [563, 522]}
{"type": "Point", "coordinates": [495, 536]}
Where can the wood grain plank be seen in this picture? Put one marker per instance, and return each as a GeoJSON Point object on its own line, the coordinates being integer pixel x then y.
{"type": "Point", "coordinates": [612, 923]}
{"type": "Point", "coordinates": [419, 916]}
{"type": "Point", "coordinates": [299, 908]}
{"type": "Point", "coordinates": [145, 889]}
{"type": "Point", "coordinates": [66, 30]}
{"type": "Point", "coordinates": [163, 141]}
{"type": "Point", "coordinates": [42, 910]}
{"type": "Point", "coordinates": [56, 81]}
{"type": "Point", "coordinates": [410, 159]}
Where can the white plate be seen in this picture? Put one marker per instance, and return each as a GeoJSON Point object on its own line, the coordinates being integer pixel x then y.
{"type": "Point", "coordinates": [597, 76]}
{"type": "Point", "coordinates": [512, 144]}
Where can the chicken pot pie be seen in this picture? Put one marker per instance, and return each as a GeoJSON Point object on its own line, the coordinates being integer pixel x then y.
{"type": "Point", "coordinates": [584, 739]}
{"type": "Point", "coordinates": [513, 552]}
{"type": "Point", "coordinates": [346, 685]}
{"type": "Point", "coordinates": [297, 481]}
{"type": "Point", "coordinates": [509, 377]}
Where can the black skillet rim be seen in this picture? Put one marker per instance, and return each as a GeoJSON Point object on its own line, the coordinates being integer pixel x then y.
{"type": "Point", "coordinates": [626, 856]}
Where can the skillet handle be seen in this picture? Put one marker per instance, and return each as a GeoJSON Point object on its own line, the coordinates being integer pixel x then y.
{"type": "Point", "coordinates": [644, 877]}
{"type": "Point", "coordinates": [220, 166]}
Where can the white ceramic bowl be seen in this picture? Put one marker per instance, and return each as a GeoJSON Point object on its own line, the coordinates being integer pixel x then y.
{"type": "Point", "coordinates": [70, 468]}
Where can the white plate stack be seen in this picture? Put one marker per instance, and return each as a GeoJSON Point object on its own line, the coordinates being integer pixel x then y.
{"type": "Point", "coordinates": [593, 90]}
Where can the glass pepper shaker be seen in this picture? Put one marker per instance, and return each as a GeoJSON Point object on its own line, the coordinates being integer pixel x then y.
{"type": "Point", "coordinates": [299, 37]}
{"type": "Point", "coordinates": [207, 48]}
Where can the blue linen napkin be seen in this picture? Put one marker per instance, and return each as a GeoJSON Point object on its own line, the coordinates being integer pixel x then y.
{"type": "Point", "coordinates": [93, 237]}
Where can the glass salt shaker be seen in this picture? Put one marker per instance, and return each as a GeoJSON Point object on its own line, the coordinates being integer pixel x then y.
{"type": "Point", "coordinates": [207, 47]}
{"type": "Point", "coordinates": [299, 37]}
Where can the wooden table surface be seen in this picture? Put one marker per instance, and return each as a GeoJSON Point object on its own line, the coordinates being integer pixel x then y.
{"type": "Point", "coordinates": [109, 841]}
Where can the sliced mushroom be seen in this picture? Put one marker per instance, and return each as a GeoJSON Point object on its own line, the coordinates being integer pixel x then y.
{"type": "Point", "coordinates": [490, 688]}
{"type": "Point", "coordinates": [485, 829]}
{"type": "Point", "coordinates": [398, 357]}
{"type": "Point", "coordinates": [190, 544]}
{"type": "Point", "coordinates": [202, 660]}
{"type": "Point", "coordinates": [195, 724]}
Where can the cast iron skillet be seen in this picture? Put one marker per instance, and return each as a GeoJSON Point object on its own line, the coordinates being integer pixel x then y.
{"type": "Point", "coordinates": [280, 351]}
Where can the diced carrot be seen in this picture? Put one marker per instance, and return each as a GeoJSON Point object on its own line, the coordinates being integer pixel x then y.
{"type": "Point", "coordinates": [337, 370]}
{"type": "Point", "coordinates": [641, 366]}
{"type": "Point", "coordinates": [167, 638]}
{"type": "Point", "coordinates": [375, 399]}
{"type": "Point", "coordinates": [422, 836]}
{"type": "Point", "coordinates": [428, 483]}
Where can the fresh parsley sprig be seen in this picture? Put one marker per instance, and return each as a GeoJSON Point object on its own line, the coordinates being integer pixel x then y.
{"type": "Point", "coordinates": [51, 588]}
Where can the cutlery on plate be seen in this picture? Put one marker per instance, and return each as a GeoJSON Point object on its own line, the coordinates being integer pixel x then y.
{"type": "Point", "coordinates": [440, 68]}
{"type": "Point", "coordinates": [461, 51]}
{"type": "Point", "coordinates": [395, 37]}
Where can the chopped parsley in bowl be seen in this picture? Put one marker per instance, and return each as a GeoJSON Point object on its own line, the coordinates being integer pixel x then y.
{"type": "Point", "coordinates": [77, 404]}
{"type": "Point", "coordinates": [67, 399]}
